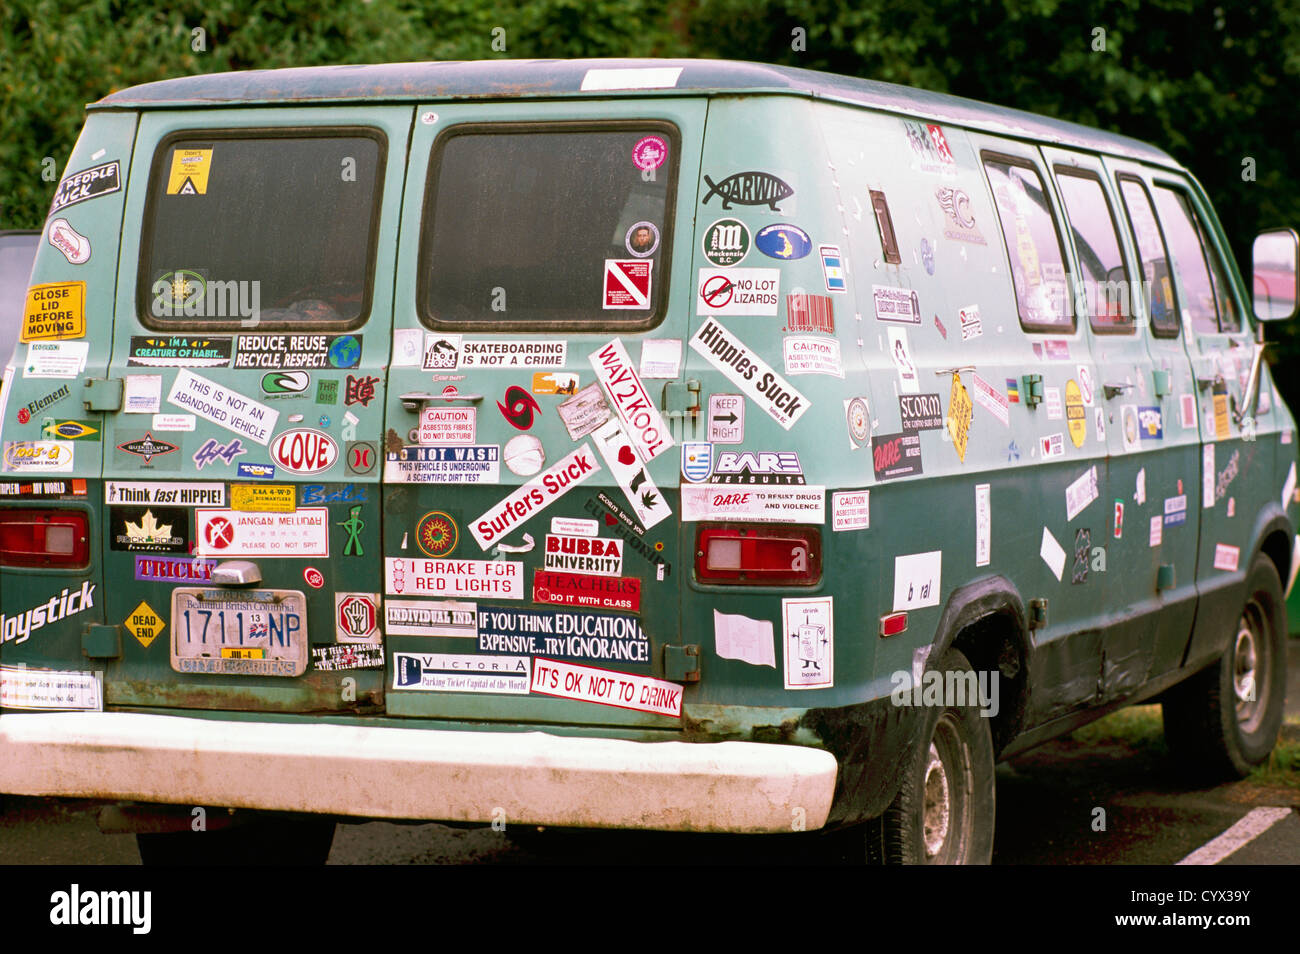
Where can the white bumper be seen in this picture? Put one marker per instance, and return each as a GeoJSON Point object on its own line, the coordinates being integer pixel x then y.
{"type": "Point", "coordinates": [372, 772]}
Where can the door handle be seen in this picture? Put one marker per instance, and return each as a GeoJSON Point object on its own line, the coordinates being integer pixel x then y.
{"type": "Point", "coordinates": [412, 400]}
{"type": "Point", "coordinates": [1114, 389]}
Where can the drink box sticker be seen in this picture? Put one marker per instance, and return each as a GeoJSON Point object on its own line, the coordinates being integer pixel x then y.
{"type": "Point", "coordinates": [630, 400]}
{"type": "Point", "coordinates": [595, 592]}
{"type": "Point", "coordinates": [474, 579]}
{"type": "Point", "coordinates": [789, 504]}
{"type": "Point", "coordinates": [809, 642]}
{"type": "Point", "coordinates": [738, 291]}
{"type": "Point", "coordinates": [503, 518]}
{"type": "Point", "coordinates": [459, 672]}
{"type": "Point", "coordinates": [606, 687]}
{"type": "Point", "coordinates": [631, 474]}
{"type": "Point", "coordinates": [213, 402]}
{"type": "Point", "coordinates": [476, 464]}
{"type": "Point", "coordinates": [56, 310]}
{"type": "Point", "coordinates": [431, 618]}
{"type": "Point", "coordinates": [447, 425]}
{"type": "Point", "coordinates": [228, 533]}
{"type": "Point", "coordinates": [627, 284]}
{"type": "Point", "coordinates": [564, 634]}
{"type": "Point", "coordinates": [779, 399]}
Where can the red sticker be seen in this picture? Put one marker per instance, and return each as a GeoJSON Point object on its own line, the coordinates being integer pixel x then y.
{"type": "Point", "coordinates": [314, 577]}
{"type": "Point", "coordinates": [627, 284]}
{"type": "Point", "coordinates": [649, 153]}
{"type": "Point", "coordinates": [594, 592]}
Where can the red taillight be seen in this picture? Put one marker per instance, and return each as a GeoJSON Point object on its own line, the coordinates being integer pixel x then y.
{"type": "Point", "coordinates": [44, 538]}
{"type": "Point", "coordinates": [758, 555]}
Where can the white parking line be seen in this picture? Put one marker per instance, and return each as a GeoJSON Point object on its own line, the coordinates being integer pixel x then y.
{"type": "Point", "coordinates": [1256, 822]}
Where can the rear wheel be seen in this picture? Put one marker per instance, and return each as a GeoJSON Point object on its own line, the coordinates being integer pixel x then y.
{"type": "Point", "coordinates": [1224, 720]}
{"type": "Point", "coordinates": [279, 841]}
{"type": "Point", "coordinates": [943, 813]}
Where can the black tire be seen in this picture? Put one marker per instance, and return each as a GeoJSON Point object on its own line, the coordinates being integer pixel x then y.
{"type": "Point", "coordinates": [1213, 726]}
{"type": "Point", "coordinates": [296, 841]}
{"type": "Point", "coordinates": [943, 813]}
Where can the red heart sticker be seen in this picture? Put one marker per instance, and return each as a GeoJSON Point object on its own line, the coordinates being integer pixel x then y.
{"type": "Point", "coordinates": [609, 520]}
{"type": "Point", "coordinates": [625, 456]}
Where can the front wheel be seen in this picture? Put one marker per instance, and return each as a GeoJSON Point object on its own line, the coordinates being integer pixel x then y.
{"type": "Point", "coordinates": [1224, 721]}
{"type": "Point", "coordinates": [943, 813]}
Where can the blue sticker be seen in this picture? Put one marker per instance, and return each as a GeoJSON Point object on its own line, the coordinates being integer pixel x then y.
{"type": "Point", "coordinates": [833, 268]}
{"type": "Point", "coordinates": [1150, 423]}
{"type": "Point", "coordinates": [786, 242]}
{"type": "Point", "coordinates": [563, 634]}
{"type": "Point", "coordinates": [211, 452]}
{"type": "Point", "coordinates": [697, 460]}
{"type": "Point", "coordinates": [260, 471]}
{"type": "Point", "coordinates": [927, 256]}
{"type": "Point", "coordinates": [324, 420]}
{"type": "Point", "coordinates": [347, 493]}
{"type": "Point", "coordinates": [345, 351]}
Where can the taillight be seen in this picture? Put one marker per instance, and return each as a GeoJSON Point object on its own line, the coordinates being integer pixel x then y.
{"type": "Point", "coordinates": [44, 538]}
{"type": "Point", "coordinates": [758, 555]}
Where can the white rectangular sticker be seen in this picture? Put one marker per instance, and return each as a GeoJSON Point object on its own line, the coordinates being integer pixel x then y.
{"type": "Point", "coordinates": [407, 344]}
{"type": "Point", "coordinates": [726, 419]}
{"type": "Point", "coordinates": [738, 291]}
{"type": "Point", "coordinates": [46, 689]}
{"type": "Point", "coordinates": [745, 369]}
{"type": "Point", "coordinates": [447, 425]}
{"type": "Point", "coordinates": [1207, 475]}
{"type": "Point", "coordinates": [630, 400]}
{"type": "Point", "coordinates": [606, 687]}
{"type": "Point", "coordinates": [1226, 557]}
{"type": "Point", "coordinates": [584, 411]}
{"type": "Point", "coordinates": [227, 533]}
{"type": "Point", "coordinates": [850, 510]}
{"type": "Point", "coordinates": [1080, 493]}
{"type": "Point", "coordinates": [808, 627]}
{"type": "Point", "coordinates": [661, 358]}
{"type": "Point", "coordinates": [460, 672]}
{"type": "Point", "coordinates": [38, 457]}
{"type": "Point", "coordinates": [537, 355]}
{"type": "Point", "coordinates": [575, 526]}
{"type": "Point", "coordinates": [55, 359]}
{"type": "Point", "coordinates": [173, 422]}
{"type": "Point", "coordinates": [916, 580]}
{"type": "Point", "coordinates": [479, 579]}
{"type": "Point", "coordinates": [1052, 396]}
{"type": "Point", "coordinates": [992, 400]}
{"type": "Point", "coordinates": [631, 474]}
{"type": "Point", "coordinates": [1157, 530]}
{"type": "Point", "coordinates": [896, 304]}
{"type": "Point", "coordinates": [530, 498]}
{"type": "Point", "coordinates": [431, 618]}
{"type": "Point", "coordinates": [745, 639]}
{"type": "Point", "coordinates": [142, 394]}
{"type": "Point", "coordinates": [983, 525]}
{"type": "Point", "coordinates": [476, 464]}
{"type": "Point", "coordinates": [155, 492]}
{"type": "Point", "coordinates": [1052, 553]}
{"type": "Point", "coordinates": [1288, 488]}
{"type": "Point", "coordinates": [809, 354]}
{"type": "Point", "coordinates": [589, 556]}
{"type": "Point", "coordinates": [649, 77]}
{"type": "Point", "coordinates": [788, 504]}
{"type": "Point", "coordinates": [229, 409]}
{"type": "Point", "coordinates": [901, 354]}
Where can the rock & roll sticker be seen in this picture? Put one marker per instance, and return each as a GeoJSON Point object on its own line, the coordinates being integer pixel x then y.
{"type": "Point", "coordinates": [53, 311]}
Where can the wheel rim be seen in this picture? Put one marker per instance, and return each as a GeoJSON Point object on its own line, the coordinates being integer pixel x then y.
{"type": "Point", "coordinates": [947, 809]}
{"type": "Point", "coordinates": [1250, 668]}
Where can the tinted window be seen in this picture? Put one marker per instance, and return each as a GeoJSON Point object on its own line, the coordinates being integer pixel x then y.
{"type": "Point", "coordinates": [1033, 245]}
{"type": "Point", "coordinates": [280, 226]}
{"type": "Point", "coordinates": [1200, 273]}
{"type": "Point", "coordinates": [548, 225]}
{"type": "Point", "coordinates": [17, 252]}
{"type": "Point", "coordinates": [1158, 290]}
{"type": "Point", "coordinates": [1105, 278]}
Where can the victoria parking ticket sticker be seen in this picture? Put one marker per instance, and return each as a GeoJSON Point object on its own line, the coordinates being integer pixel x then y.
{"type": "Point", "coordinates": [53, 311]}
{"type": "Point", "coordinates": [627, 284]}
{"type": "Point", "coordinates": [189, 172]}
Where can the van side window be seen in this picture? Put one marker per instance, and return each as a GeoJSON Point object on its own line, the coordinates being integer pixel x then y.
{"type": "Point", "coordinates": [1033, 245]}
{"type": "Point", "coordinates": [1200, 273]}
{"type": "Point", "coordinates": [1105, 276]}
{"type": "Point", "coordinates": [277, 227]}
{"type": "Point", "coordinates": [1158, 290]}
{"type": "Point", "coordinates": [557, 225]}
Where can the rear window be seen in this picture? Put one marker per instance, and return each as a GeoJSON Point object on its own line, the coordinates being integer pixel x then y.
{"type": "Point", "coordinates": [1157, 288]}
{"type": "Point", "coordinates": [561, 225]}
{"type": "Point", "coordinates": [262, 228]}
{"type": "Point", "coordinates": [1033, 245]}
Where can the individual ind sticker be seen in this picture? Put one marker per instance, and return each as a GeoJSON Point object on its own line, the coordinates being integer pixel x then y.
{"type": "Point", "coordinates": [189, 172]}
{"type": "Point", "coordinates": [627, 284]}
{"type": "Point", "coordinates": [959, 416]}
{"type": "Point", "coordinates": [54, 311]}
{"type": "Point", "coordinates": [1053, 553]}
{"type": "Point", "coordinates": [745, 639]}
{"type": "Point", "coordinates": [809, 642]}
{"type": "Point", "coordinates": [983, 525]}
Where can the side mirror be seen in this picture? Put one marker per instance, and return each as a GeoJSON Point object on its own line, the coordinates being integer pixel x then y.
{"type": "Point", "coordinates": [1276, 259]}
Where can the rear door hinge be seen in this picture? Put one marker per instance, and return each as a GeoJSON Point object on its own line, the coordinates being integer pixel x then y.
{"type": "Point", "coordinates": [102, 394]}
{"type": "Point", "coordinates": [682, 663]}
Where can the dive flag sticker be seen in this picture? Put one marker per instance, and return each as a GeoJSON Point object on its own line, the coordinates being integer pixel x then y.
{"type": "Point", "coordinates": [627, 284]}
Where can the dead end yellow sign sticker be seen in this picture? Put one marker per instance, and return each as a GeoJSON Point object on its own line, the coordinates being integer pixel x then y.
{"type": "Point", "coordinates": [262, 498]}
{"type": "Point", "coordinates": [54, 311]}
{"type": "Point", "coordinates": [189, 172]}
{"type": "Point", "coordinates": [959, 415]}
{"type": "Point", "coordinates": [144, 624]}
{"type": "Point", "coordinates": [1075, 415]}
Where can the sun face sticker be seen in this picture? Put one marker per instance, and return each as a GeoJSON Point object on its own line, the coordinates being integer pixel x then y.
{"type": "Point", "coordinates": [436, 534]}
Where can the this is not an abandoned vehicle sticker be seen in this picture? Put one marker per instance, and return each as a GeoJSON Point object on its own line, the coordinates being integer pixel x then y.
{"type": "Point", "coordinates": [213, 402]}
{"type": "Point", "coordinates": [605, 687]}
{"type": "Point", "coordinates": [566, 634]}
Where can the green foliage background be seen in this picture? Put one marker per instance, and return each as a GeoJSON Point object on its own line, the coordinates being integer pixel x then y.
{"type": "Point", "coordinates": [1212, 83]}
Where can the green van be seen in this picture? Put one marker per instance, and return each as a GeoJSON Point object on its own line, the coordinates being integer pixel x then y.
{"type": "Point", "coordinates": [677, 445]}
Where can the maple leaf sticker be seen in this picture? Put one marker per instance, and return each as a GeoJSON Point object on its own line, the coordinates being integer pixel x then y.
{"type": "Point", "coordinates": [148, 530]}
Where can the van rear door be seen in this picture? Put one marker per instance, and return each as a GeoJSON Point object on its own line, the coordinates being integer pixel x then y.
{"type": "Point", "coordinates": [531, 463]}
{"type": "Point", "coordinates": [252, 326]}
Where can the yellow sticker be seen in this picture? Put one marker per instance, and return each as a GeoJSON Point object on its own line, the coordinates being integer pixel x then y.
{"type": "Point", "coordinates": [144, 624]}
{"type": "Point", "coordinates": [68, 431]}
{"type": "Point", "coordinates": [262, 498]}
{"type": "Point", "coordinates": [555, 382]}
{"type": "Point", "coordinates": [228, 652]}
{"type": "Point", "coordinates": [1222, 429]}
{"type": "Point", "coordinates": [959, 415]}
{"type": "Point", "coordinates": [54, 311]}
{"type": "Point", "coordinates": [1075, 415]}
{"type": "Point", "coordinates": [189, 175]}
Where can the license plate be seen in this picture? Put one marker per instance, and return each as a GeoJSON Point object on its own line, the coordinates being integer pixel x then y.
{"type": "Point", "coordinates": [253, 633]}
